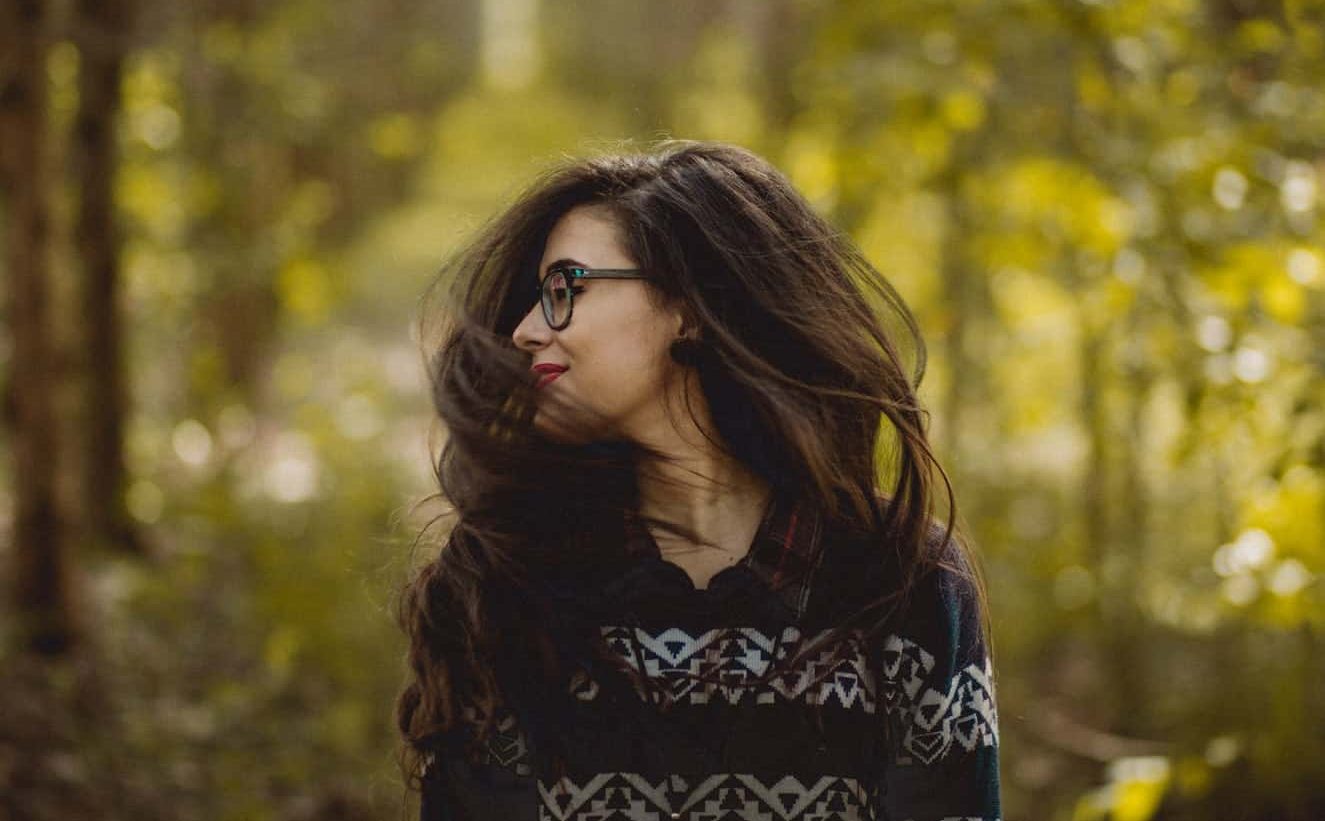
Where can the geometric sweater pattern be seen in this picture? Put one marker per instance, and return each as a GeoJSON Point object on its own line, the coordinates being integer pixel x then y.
{"type": "Point", "coordinates": [909, 719]}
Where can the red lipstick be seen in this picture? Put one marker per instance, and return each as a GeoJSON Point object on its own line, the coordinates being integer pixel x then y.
{"type": "Point", "coordinates": [547, 372]}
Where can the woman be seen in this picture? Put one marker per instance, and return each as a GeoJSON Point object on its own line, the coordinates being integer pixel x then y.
{"type": "Point", "coordinates": [672, 587]}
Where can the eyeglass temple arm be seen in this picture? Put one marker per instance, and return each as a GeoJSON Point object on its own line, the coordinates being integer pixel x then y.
{"type": "Point", "coordinates": [599, 273]}
{"type": "Point", "coordinates": [605, 273]}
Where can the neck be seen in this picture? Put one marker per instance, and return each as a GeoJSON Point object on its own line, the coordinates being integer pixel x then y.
{"type": "Point", "coordinates": [699, 487]}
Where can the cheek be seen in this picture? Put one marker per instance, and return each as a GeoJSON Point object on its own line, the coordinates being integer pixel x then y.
{"type": "Point", "coordinates": [618, 375]}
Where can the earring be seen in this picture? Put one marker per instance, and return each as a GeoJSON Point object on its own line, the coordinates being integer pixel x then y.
{"type": "Point", "coordinates": [686, 351]}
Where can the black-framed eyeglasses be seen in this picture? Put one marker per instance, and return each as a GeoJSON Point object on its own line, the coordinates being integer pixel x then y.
{"type": "Point", "coordinates": [557, 290]}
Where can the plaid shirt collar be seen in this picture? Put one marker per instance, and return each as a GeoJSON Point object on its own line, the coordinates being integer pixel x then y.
{"type": "Point", "coordinates": [785, 551]}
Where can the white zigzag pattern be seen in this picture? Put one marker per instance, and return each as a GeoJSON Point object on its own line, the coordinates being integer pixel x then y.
{"type": "Point", "coordinates": [742, 656]}
{"type": "Point", "coordinates": [632, 796]}
{"type": "Point", "coordinates": [931, 720]}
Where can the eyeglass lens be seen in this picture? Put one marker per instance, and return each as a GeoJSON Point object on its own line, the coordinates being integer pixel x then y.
{"type": "Point", "coordinates": [556, 299]}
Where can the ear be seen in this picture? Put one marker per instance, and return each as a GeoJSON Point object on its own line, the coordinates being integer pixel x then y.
{"type": "Point", "coordinates": [676, 321]}
{"type": "Point", "coordinates": [683, 324]}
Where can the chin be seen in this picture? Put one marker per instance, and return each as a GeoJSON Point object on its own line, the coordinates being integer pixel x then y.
{"type": "Point", "coordinates": [571, 427]}
{"type": "Point", "coordinates": [557, 430]}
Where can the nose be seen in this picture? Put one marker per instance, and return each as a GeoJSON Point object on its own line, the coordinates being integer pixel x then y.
{"type": "Point", "coordinates": [533, 332]}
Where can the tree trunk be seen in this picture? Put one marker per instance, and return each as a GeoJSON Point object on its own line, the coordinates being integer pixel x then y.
{"type": "Point", "coordinates": [1095, 499]}
{"type": "Point", "coordinates": [42, 577]}
{"type": "Point", "coordinates": [102, 29]}
{"type": "Point", "coordinates": [1131, 640]}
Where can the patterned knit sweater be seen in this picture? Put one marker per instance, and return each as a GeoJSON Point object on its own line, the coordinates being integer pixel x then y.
{"type": "Point", "coordinates": [907, 726]}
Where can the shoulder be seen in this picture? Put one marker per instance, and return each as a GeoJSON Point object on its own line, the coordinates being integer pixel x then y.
{"type": "Point", "coordinates": [857, 569]}
{"type": "Point", "coordinates": [935, 632]}
{"type": "Point", "coordinates": [937, 695]}
{"type": "Point", "coordinates": [945, 610]}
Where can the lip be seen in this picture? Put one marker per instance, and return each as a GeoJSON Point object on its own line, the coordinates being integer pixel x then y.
{"type": "Point", "coordinates": [547, 371]}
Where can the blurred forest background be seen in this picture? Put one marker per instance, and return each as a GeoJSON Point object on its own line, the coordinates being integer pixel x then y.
{"type": "Point", "coordinates": [219, 217]}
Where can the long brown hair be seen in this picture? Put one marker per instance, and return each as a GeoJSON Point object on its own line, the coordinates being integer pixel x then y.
{"type": "Point", "coordinates": [800, 366]}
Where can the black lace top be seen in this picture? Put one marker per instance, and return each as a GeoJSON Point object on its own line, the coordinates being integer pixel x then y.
{"type": "Point", "coordinates": [907, 728]}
